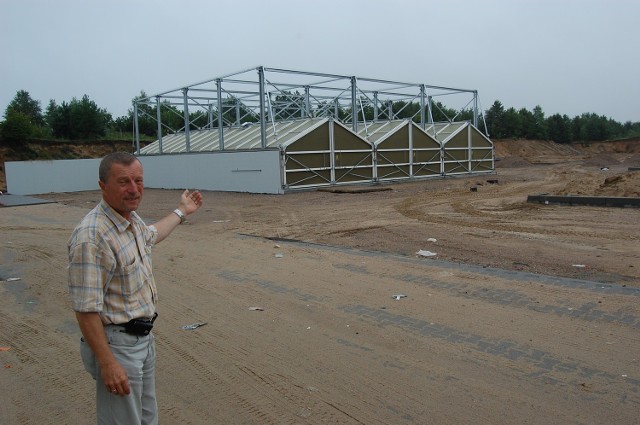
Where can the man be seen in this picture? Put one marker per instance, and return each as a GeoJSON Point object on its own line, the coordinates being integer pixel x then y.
{"type": "Point", "coordinates": [113, 292]}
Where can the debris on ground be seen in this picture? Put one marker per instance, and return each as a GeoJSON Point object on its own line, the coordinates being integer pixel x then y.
{"type": "Point", "coordinates": [193, 326]}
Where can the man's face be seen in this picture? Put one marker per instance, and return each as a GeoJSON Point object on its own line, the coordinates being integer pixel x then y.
{"type": "Point", "coordinates": [124, 187]}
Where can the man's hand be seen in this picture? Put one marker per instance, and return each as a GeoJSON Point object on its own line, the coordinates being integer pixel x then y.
{"type": "Point", "coordinates": [190, 201]}
{"type": "Point", "coordinates": [113, 374]}
{"type": "Point", "coordinates": [115, 378]}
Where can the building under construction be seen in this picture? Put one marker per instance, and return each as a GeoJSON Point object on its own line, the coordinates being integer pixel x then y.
{"type": "Point", "coordinates": [268, 130]}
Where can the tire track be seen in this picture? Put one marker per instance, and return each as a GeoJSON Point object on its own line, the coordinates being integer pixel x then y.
{"type": "Point", "coordinates": [543, 364]}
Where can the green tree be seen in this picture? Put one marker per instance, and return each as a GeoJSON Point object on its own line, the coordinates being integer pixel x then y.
{"type": "Point", "coordinates": [511, 126]}
{"type": "Point", "coordinates": [16, 129]}
{"type": "Point", "coordinates": [30, 108]}
{"type": "Point", "coordinates": [494, 119]}
{"type": "Point", "coordinates": [198, 120]}
{"type": "Point", "coordinates": [403, 110]}
{"type": "Point", "coordinates": [590, 127]}
{"type": "Point", "coordinates": [559, 128]}
{"type": "Point", "coordinates": [172, 118]}
{"type": "Point", "coordinates": [540, 132]}
{"type": "Point", "coordinates": [526, 128]}
{"type": "Point", "coordinates": [87, 119]}
{"type": "Point", "coordinates": [78, 119]}
{"type": "Point", "coordinates": [465, 115]}
{"type": "Point", "coordinates": [441, 113]}
{"type": "Point", "coordinates": [59, 119]}
{"type": "Point", "coordinates": [146, 117]}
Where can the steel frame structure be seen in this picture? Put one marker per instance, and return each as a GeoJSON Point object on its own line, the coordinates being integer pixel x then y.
{"type": "Point", "coordinates": [266, 95]}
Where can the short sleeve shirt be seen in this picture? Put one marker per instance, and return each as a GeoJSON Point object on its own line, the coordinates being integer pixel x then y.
{"type": "Point", "coordinates": [110, 270]}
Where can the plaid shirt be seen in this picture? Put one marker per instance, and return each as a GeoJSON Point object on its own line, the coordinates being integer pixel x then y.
{"type": "Point", "coordinates": [110, 269]}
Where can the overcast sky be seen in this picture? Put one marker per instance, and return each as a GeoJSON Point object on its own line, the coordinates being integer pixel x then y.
{"type": "Point", "coordinates": [568, 56]}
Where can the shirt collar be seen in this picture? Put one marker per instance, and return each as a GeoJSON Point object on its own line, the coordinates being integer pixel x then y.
{"type": "Point", "coordinates": [119, 221]}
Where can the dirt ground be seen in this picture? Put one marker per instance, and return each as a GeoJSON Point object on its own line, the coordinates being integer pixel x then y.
{"type": "Point", "coordinates": [527, 313]}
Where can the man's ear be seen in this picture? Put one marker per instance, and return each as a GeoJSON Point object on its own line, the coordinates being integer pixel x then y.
{"type": "Point", "coordinates": [101, 184]}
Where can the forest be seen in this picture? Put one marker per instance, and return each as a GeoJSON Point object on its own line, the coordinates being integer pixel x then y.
{"type": "Point", "coordinates": [83, 120]}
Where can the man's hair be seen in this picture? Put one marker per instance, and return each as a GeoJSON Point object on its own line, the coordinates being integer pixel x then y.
{"type": "Point", "coordinates": [123, 158]}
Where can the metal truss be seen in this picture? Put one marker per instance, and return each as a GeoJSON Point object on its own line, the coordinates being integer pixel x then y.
{"type": "Point", "coordinates": [267, 95]}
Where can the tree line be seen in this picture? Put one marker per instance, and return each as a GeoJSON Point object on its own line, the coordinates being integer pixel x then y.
{"type": "Point", "coordinates": [83, 119]}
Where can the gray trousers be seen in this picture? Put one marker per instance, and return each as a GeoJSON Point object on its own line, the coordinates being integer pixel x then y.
{"type": "Point", "coordinates": [137, 355]}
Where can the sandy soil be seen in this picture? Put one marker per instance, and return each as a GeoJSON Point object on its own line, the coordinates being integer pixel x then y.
{"type": "Point", "coordinates": [527, 314]}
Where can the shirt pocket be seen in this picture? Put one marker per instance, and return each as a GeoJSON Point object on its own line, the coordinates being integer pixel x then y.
{"type": "Point", "coordinates": [131, 279]}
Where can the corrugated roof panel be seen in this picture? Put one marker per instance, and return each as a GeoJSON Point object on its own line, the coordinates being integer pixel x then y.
{"type": "Point", "coordinates": [301, 127]}
{"type": "Point", "coordinates": [241, 137]}
{"type": "Point", "coordinates": [375, 132]}
{"type": "Point", "coordinates": [442, 131]}
{"type": "Point", "coordinates": [200, 139]}
{"type": "Point", "coordinates": [281, 133]}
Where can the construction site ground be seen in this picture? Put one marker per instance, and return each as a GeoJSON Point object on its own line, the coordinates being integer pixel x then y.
{"type": "Point", "coordinates": [445, 301]}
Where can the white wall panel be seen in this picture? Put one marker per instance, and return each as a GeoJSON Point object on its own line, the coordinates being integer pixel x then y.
{"type": "Point", "coordinates": [34, 177]}
{"type": "Point", "coordinates": [255, 172]}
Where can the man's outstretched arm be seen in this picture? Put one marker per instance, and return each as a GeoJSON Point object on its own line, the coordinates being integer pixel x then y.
{"type": "Point", "coordinates": [189, 203]}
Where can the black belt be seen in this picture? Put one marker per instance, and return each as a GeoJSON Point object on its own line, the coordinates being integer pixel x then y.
{"type": "Point", "coordinates": [139, 327]}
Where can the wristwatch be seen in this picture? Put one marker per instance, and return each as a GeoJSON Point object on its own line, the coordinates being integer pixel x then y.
{"type": "Point", "coordinates": [180, 214]}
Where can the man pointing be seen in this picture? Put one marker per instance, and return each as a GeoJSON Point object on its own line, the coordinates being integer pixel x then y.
{"type": "Point", "coordinates": [113, 292]}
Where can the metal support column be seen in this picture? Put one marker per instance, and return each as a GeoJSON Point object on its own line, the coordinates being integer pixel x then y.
{"type": "Point", "coordinates": [411, 157]}
{"type": "Point", "coordinates": [263, 119]}
{"type": "Point", "coordinates": [307, 103]}
{"type": "Point", "coordinates": [187, 123]}
{"type": "Point", "coordinates": [475, 108]}
{"type": "Point", "coordinates": [375, 106]}
{"type": "Point", "coordinates": [332, 152]}
{"type": "Point", "coordinates": [354, 104]}
{"type": "Point", "coordinates": [423, 112]}
{"type": "Point", "coordinates": [159, 121]}
{"type": "Point", "coordinates": [136, 127]}
{"type": "Point", "coordinates": [220, 115]}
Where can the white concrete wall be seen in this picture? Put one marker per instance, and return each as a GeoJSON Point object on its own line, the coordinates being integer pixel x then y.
{"type": "Point", "coordinates": [34, 177]}
{"type": "Point", "coordinates": [254, 172]}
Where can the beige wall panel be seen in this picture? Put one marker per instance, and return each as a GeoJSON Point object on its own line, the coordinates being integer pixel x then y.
{"type": "Point", "coordinates": [308, 160]}
{"type": "Point", "coordinates": [426, 170]}
{"type": "Point", "coordinates": [426, 156]}
{"type": "Point", "coordinates": [354, 175]}
{"type": "Point", "coordinates": [395, 157]}
{"type": "Point", "coordinates": [317, 140]}
{"type": "Point", "coordinates": [422, 140]}
{"type": "Point", "coordinates": [344, 139]}
{"type": "Point", "coordinates": [398, 140]}
{"type": "Point", "coordinates": [456, 154]}
{"type": "Point", "coordinates": [455, 167]}
{"type": "Point", "coordinates": [460, 140]}
{"type": "Point", "coordinates": [346, 159]}
{"type": "Point", "coordinates": [305, 178]}
{"type": "Point", "coordinates": [394, 172]}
